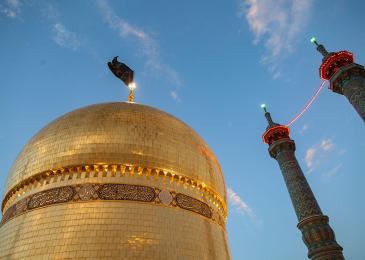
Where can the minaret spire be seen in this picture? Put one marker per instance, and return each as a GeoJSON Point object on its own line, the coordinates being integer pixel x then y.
{"type": "Point", "coordinates": [268, 116]}
{"type": "Point", "coordinates": [320, 48]}
{"type": "Point", "coordinates": [344, 75]}
{"type": "Point", "coordinates": [317, 233]}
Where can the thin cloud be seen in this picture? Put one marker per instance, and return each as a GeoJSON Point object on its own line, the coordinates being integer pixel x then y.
{"type": "Point", "coordinates": [11, 8]}
{"type": "Point", "coordinates": [327, 145]}
{"type": "Point", "coordinates": [240, 205]}
{"type": "Point", "coordinates": [175, 96]}
{"type": "Point", "coordinates": [148, 46]}
{"type": "Point", "coordinates": [316, 154]}
{"type": "Point", "coordinates": [333, 171]}
{"type": "Point", "coordinates": [60, 34]}
{"type": "Point", "coordinates": [276, 24]}
{"type": "Point", "coordinates": [65, 38]}
{"type": "Point", "coordinates": [309, 156]}
{"type": "Point", "coordinates": [304, 128]}
{"type": "Point", "coordinates": [50, 12]}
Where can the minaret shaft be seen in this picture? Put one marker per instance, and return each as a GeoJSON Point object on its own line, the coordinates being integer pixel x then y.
{"type": "Point", "coordinates": [302, 197]}
{"type": "Point", "coordinates": [355, 93]}
{"type": "Point", "coordinates": [350, 82]}
{"type": "Point", "coordinates": [316, 232]}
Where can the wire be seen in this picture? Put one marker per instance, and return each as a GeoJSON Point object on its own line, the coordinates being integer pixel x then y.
{"type": "Point", "coordinates": [309, 103]}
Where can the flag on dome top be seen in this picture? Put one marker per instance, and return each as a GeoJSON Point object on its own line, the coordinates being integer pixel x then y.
{"type": "Point", "coordinates": [121, 71]}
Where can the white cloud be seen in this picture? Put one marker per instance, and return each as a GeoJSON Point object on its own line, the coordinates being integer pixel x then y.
{"type": "Point", "coordinates": [175, 96]}
{"type": "Point", "coordinates": [60, 34]}
{"type": "Point", "coordinates": [327, 145]}
{"type": "Point", "coordinates": [148, 46]}
{"type": "Point", "coordinates": [276, 23]}
{"type": "Point", "coordinates": [309, 156]}
{"type": "Point", "coordinates": [65, 38]}
{"type": "Point", "coordinates": [11, 8]}
{"type": "Point", "coordinates": [316, 154]}
{"type": "Point", "coordinates": [124, 28]}
{"type": "Point", "coordinates": [239, 204]}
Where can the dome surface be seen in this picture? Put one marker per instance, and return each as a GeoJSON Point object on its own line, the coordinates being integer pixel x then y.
{"type": "Point", "coordinates": [119, 133]}
{"type": "Point", "coordinates": [115, 181]}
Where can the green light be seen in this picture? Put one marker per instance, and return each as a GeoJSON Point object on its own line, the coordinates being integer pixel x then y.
{"type": "Point", "coordinates": [313, 39]}
{"type": "Point", "coordinates": [263, 106]}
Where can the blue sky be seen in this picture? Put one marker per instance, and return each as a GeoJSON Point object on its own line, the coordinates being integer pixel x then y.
{"type": "Point", "coordinates": [211, 64]}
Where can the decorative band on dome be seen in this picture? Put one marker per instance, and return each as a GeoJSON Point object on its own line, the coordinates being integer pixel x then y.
{"type": "Point", "coordinates": [110, 192]}
{"type": "Point", "coordinates": [113, 170]}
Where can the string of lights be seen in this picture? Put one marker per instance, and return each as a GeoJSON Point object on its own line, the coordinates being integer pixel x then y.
{"type": "Point", "coordinates": [309, 103]}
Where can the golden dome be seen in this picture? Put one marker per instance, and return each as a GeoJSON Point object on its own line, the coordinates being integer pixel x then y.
{"type": "Point", "coordinates": [119, 133]}
{"type": "Point", "coordinates": [115, 181]}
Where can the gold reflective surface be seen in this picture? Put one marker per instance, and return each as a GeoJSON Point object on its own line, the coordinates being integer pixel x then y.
{"type": "Point", "coordinates": [127, 174]}
{"type": "Point", "coordinates": [119, 133]}
{"type": "Point", "coordinates": [116, 143]}
{"type": "Point", "coordinates": [105, 230]}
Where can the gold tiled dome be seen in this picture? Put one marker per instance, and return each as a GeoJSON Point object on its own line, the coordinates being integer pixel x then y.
{"type": "Point", "coordinates": [115, 181]}
{"type": "Point", "coordinates": [119, 133]}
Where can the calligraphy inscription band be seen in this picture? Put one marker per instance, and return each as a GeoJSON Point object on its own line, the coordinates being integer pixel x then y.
{"type": "Point", "coordinates": [110, 191]}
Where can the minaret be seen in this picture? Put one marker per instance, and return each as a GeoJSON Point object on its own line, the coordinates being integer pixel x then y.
{"type": "Point", "coordinates": [346, 77]}
{"type": "Point", "coordinates": [316, 232]}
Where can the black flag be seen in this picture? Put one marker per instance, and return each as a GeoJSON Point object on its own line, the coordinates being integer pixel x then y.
{"type": "Point", "coordinates": [121, 71]}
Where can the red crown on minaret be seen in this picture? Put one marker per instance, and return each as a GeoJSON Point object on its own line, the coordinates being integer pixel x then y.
{"type": "Point", "coordinates": [332, 61]}
{"type": "Point", "coordinates": [274, 131]}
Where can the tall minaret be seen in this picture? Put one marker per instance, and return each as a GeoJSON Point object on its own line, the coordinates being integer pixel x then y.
{"type": "Point", "coordinates": [345, 76]}
{"type": "Point", "coordinates": [316, 232]}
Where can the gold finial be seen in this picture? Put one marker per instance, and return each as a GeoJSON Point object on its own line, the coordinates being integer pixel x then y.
{"type": "Point", "coordinates": [131, 87]}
